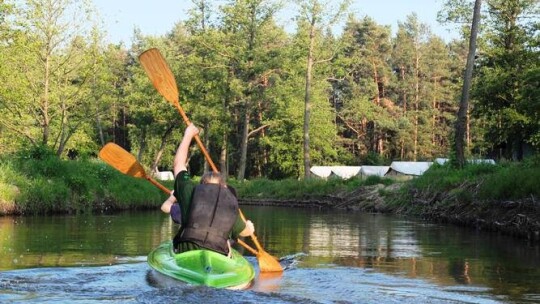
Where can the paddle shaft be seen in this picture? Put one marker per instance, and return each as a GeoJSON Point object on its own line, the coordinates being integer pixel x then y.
{"type": "Point", "coordinates": [160, 186]}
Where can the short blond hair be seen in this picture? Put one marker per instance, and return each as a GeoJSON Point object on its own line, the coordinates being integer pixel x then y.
{"type": "Point", "coordinates": [212, 178]}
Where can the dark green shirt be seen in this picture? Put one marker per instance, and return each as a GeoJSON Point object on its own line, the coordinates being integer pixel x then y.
{"type": "Point", "coordinates": [183, 191]}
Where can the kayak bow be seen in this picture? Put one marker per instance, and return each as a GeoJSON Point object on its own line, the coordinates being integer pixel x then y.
{"type": "Point", "coordinates": [202, 267]}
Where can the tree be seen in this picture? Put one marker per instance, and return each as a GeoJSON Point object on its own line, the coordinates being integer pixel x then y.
{"type": "Point", "coordinates": [208, 74]}
{"type": "Point", "coordinates": [422, 66]}
{"type": "Point", "coordinates": [8, 142]}
{"type": "Point", "coordinates": [464, 102]}
{"type": "Point", "coordinates": [314, 14]}
{"type": "Point", "coordinates": [151, 120]}
{"type": "Point", "coordinates": [51, 56]}
{"type": "Point", "coordinates": [250, 26]}
{"type": "Point", "coordinates": [511, 50]}
{"type": "Point", "coordinates": [362, 87]}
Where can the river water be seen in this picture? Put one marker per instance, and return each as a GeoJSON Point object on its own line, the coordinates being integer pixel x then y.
{"type": "Point", "coordinates": [328, 256]}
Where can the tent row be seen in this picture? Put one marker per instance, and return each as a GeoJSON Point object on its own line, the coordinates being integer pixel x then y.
{"type": "Point", "coordinates": [398, 169]}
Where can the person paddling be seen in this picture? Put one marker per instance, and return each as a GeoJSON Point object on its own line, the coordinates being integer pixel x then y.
{"type": "Point", "coordinates": [208, 213]}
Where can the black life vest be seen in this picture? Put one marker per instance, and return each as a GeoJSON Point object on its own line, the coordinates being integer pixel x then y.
{"type": "Point", "coordinates": [213, 212]}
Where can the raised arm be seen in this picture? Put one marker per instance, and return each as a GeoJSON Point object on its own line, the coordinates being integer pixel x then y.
{"type": "Point", "coordinates": [180, 159]}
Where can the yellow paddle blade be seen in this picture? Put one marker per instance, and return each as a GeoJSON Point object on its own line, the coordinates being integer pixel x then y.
{"type": "Point", "coordinates": [268, 263]}
{"type": "Point", "coordinates": [160, 74]}
{"type": "Point", "coordinates": [121, 160]}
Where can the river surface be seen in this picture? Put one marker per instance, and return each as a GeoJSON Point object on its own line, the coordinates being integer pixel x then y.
{"type": "Point", "coordinates": [328, 256]}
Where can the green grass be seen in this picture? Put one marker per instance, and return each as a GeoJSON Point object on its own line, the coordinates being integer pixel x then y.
{"type": "Point", "coordinates": [48, 184]}
{"type": "Point", "coordinates": [299, 189]}
{"type": "Point", "coordinates": [503, 181]}
{"type": "Point", "coordinates": [512, 182]}
{"type": "Point", "coordinates": [8, 192]}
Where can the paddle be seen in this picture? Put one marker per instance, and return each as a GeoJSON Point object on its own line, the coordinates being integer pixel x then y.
{"type": "Point", "coordinates": [163, 80]}
{"type": "Point", "coordinates": [123, 161]}
{"type": "Point", "coordinates": [126, 163]}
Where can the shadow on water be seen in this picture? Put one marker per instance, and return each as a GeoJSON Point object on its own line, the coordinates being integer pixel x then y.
{"type": "Point", "coordinates": [328, 257]}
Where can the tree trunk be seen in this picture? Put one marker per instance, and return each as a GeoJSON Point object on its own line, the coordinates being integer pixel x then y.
{"type": "Point", "coordinates": [416, 105]}
{"type": "Point", "coordinates": [45, 100]}
{"type": "Point", "coordinates": [307, 101]}
{"type": "Point", "coordinates": [434, 116]}
{"type": "Point", "coordinates": [403, 91]}
{"type": "Point", "coordinates": [243, 148]}
{"type": "Point", "coordinates": [142, 145]}
{"type": "Point", "coordinates": [461, 123]}
{"type": "Point", "coordinates": [162, 146]}
{"type": "Point", "coordinates": [100, 130]}
{"type": "Point", "coordinates": [377, 133]}
{"type": "Point", "coordinates": [223, 164]}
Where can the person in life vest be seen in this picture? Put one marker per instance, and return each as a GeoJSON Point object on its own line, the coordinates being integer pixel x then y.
{"type": "Point", "coordinates": [207, 213]}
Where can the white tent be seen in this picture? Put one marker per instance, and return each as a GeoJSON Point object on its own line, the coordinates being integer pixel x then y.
{"type": "Point", "coordinates": [165, 175]}
{"type": "Point", "coordinates": [374, 170]}
{"type": "Point", "coordinates": [321, 171]}
{"type": "Point", "coordinates": [345, 172]}
{"type": "Point", "coordinates": [408, 168]}
{"type": "Point", "coordinates": [442, 161]}
{"type": "Point", "coordinates": [482, 161]}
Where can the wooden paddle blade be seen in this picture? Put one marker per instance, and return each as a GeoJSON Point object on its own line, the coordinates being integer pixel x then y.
{"type": "Point", "coordinates": [160, 74]}
{"type": "Point", "coordinates": [121, 160]}
{"type": "Point", "coordinates": [268, 263]}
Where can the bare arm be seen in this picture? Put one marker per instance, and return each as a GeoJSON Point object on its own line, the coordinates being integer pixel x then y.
{"type": "Point", "coordinates": [166, 206]}
{"type": "Point", "coordinates": [249, 230]}
{"type": "Point", "coordinates": [180, 159]}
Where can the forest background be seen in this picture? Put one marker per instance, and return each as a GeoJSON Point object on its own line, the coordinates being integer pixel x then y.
{"type": "Point", "coordinates": [270, 103]}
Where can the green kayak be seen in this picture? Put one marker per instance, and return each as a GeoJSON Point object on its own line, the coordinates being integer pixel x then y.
{"type": "Point", "coordinates": [202, 267]}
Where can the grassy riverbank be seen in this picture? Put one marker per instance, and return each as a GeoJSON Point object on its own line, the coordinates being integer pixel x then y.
{"type": "Point", "coordinates": [40, 183]}
{"type": "Point", "coordinates": [501, 197]}
{"type": "Point", "coordinates": [44, 184]}
{"type": "Point", "coordinates": [293, 189]}
{"type": "Point", "coordinates": [497, 197]}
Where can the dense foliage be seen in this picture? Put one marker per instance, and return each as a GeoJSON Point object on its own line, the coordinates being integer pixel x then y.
{"type": "Point", "coordinates": [374, 96]}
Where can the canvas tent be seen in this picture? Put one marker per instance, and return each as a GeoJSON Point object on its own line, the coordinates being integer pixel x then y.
{"type": "Point", "coordinates": [165, 175]}
{"type": "Point", "coordinates": [345, 172]}
{"type": "Point", "coordinates": [321, 171]}
{"type": "Point", "coordinates": [373, 171]}
{"type": "Point", "coordinates": [482, 161]}
{"type": "Point", "coordinates": [442, 161]}
{"type": "Point", "coordinates": [408, 169]}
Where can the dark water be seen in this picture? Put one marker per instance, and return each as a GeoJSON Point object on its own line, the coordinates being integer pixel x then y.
{"type": "Point", "coordinates": [329, 257]}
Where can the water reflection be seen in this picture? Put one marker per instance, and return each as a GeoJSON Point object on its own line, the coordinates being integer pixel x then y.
{"type": "Point", "coordinates": [444, 255]}
{"type": "Point", "coordinates": [77, 240]}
